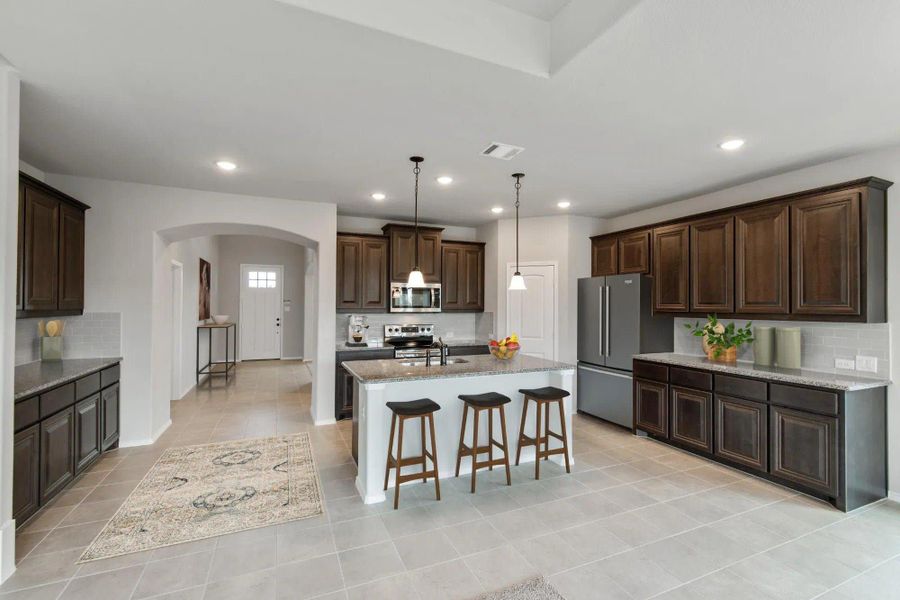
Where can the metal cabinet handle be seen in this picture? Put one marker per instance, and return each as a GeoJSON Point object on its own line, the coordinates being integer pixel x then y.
{"type": "Point", "coordinates": [606, 326]}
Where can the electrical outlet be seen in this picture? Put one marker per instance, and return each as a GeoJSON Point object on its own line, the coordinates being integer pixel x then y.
{"type": "Point", "coordinates": [867, 363]}
{"type": "Point", "coordinates": [844, 363]}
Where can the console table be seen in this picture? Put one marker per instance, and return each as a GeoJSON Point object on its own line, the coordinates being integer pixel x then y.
{"type": "Point", "coordinates": [217, 367]}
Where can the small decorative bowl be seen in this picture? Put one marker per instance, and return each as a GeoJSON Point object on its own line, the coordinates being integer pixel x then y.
{"type": "Point", "coordinates": [220, 319]}
{"type": "Point", "coordinates": [504, 352]}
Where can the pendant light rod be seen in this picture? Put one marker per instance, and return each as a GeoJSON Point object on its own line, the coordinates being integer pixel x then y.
{"type": "Point", "coordinates": [415, 276]}
{"type": "Point", "coordinates": [518, 177]}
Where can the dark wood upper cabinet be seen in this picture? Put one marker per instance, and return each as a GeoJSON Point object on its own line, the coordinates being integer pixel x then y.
{"type": "Point", "coordinates": [362, 277]}
{"type": "Point", "coordinates": [604, 256]}
{"type": "Point", "coordinates": [50, 279]}
{"type": "Point", "coordinates": [762, 260]}
{"type": "Point", "coordinates": [712, 265]}
{"type": "Point", "coordinates": [403, 250]}
{"type": "Point", "coordinates": [671, 268]}
{"type": "Point", "coordinates": [634, 252]}
{"type": "Point", "coordinates": [825, 235]}
{"type": "Point", "coordinates": [462, 279]}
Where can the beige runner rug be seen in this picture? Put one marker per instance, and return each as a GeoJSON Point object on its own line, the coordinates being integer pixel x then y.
{"type": "Point", "coordinates": [197, 492]}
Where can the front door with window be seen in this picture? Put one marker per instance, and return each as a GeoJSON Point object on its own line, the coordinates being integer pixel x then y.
{"type": "Point", "coordinates": [261, 306]}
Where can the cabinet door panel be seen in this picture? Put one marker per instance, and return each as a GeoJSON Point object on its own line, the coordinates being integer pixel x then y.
{"type": "Point", "coordinates": [374, 274]}
{"type": "Point", "coordinates": [87, 432]}
{"type": "Point", "coordinates": [742, 431]}
{"type": "Point", "coordinates": [109, 416]}
{"type": "Point", "coordinates": [26, 473]}
{"type": "Point", "coordinates": [804, 448]}
{"type": "Point", "coordinates": [349, 276]}
{"type": "Point", "coordinates": [634, 252]}
{"type": "Point", "coordinates": [71, 258]}
{"type": "Point", "coordinates": [671, 272]}
{"type": "Point", "coordinates": [430, 256]}
{"type": "Point", "coordinates": [41, 251]}
{"type": "Point", "coordinates": [402, 254]}
{"type": "Point", "coordinates": [651, 407]}
{"type": "Point", "coordinates": [712, 265]}
{"type": "Point", "coordinates": [474, 260]}
{"type": "Point", "coordinates": [825, 246]}
{"type": "Point", "coordinates": [452, 284]}
{"type": "Point", "coordinates": [692, 418]}
{"type": "Point", "coordinates": [762, 260]}
{"type": "Point", "coordinates": [57, 452]}
{"type": "Point", "coordinates": [604, 256]}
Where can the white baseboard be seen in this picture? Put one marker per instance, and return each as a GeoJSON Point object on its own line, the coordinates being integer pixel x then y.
{"type": "Point", "coordinates": [330, 421]}
{"type": "Point", "coordinates": [7, 550]}
{"type": "Point", "coordinates": [895, 496]}
{"type": "Point", "coordinates": [291, 358]}
{"type": "Point", "coordinates": [162, 429]}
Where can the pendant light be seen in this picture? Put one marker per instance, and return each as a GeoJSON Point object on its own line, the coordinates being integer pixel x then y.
{"type": "Point", "coordinates": [517, 282]}
{"type": "Point", "coordinates": [415, 276]}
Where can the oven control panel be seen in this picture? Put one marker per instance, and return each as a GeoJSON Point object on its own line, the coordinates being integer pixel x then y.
{"type": "Point", "coordinates": [401, 331]}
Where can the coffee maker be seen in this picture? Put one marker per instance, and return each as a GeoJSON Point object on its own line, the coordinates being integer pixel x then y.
{"type": "Point", "coordinates": [357, 330]}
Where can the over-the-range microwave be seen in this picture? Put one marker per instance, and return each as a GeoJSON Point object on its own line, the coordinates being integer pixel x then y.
{"type": "Point", "coordinates": [424, 299]}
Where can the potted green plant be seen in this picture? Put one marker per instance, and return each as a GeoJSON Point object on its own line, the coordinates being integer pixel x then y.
{"type": "Point", "coordinates": [721, 341]}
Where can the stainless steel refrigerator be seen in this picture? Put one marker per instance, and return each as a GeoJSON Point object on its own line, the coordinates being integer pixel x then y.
{"type": "Point", "coordinates": [615, 322]}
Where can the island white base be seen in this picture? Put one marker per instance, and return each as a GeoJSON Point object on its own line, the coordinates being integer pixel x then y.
{"type": "Point", "coordinates": [375, 422]}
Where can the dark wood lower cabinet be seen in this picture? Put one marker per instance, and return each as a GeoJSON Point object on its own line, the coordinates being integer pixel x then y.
{"type": "Point", "coordinates": [87, 432]}
{"type": "Point", "coordinates": [109, 417]}
{"type": "Point", "coordinates": [26, 473]}
{"type": "Point", "coordinates": [692, 418]}
{"type": "Point", "coordinates": [742, 431]}
{"type": "Point", "coordinates": [57, 452]}
{"type": "Point", "coordinates": [804, 449]}
{"type": "Point", "coordinates": [651, 407]}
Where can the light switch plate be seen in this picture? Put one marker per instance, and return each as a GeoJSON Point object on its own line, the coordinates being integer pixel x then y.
{"type": "Point", "coordinates": [844, 363]}
{"type": "Point", "coordinates": [867, 363]}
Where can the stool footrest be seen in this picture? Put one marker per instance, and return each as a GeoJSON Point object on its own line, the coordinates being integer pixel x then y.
{"type": "Point", "coordinates": [416, 476]}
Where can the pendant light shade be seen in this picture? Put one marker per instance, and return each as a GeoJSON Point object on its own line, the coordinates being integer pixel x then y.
{"type": "Point", "coordinates": [517, 283]}
{"type": "Point", "coordinates": [415, 276]}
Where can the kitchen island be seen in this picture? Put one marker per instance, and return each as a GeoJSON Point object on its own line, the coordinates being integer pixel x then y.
{"type": "Point", "coordinates": [377, 382]}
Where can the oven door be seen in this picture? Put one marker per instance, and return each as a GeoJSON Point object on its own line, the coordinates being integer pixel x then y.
{"type": "Point", "coordinates": [406, 299]}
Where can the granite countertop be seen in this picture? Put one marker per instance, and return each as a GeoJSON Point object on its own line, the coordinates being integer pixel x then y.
{"type": "Point", "coordinates": [35, 377]}
{"type": "Point", "coordinates": [388, 371]}
{"type": "Point", "coordinates": [380, 345]}
{"type": "Point", "coordinates": [833, 381]}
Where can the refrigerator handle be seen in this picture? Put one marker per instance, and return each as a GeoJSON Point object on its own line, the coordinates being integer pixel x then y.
{"type": "Point", "coordinates": [606, 323]}
{"type": "Point", "coordinates": [600, 322]}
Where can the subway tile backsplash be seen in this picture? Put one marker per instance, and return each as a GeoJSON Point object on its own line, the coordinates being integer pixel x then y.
{"type": "Point", "coordinates": [446, 325]}
{"type": "Point", "coordinates": [90, 335]}
{"type": "Point", "coordinates": [821, 343]}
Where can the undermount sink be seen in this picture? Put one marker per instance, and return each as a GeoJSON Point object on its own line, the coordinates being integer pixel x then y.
{"type": "Point", "coordinates": [435, 362]}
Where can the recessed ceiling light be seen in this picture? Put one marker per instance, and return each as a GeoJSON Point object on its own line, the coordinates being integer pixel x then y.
{"type": "Point", "coordinates": [226, 165]}
{"type": "Point", "coordinates": [731, 144]}
{"type": "Point", "coordinates": [497, 210]}
{"type": "Point", "coordinates": [445, 180]}
{"type": "Point", "coordinates": [378, 196]}
{"type": "Point", "coordinates": [564, 204]}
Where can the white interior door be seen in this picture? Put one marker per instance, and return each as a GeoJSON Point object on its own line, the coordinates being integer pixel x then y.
{"type": "Point", "coordinates": [531, 313]}
{"type": "Point", "coordinates": [261, 305]}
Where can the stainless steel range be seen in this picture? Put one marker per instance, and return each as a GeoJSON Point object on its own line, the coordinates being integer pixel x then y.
{"type": "Point", "coordinates": [409, 341]}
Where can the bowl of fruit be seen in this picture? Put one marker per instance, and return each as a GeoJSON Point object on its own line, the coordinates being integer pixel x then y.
{"type": "Point", "coordinates": [506, 348]}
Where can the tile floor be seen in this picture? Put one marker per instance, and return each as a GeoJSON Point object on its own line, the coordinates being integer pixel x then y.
{"type": "Point", "coordinates": [636, 519]}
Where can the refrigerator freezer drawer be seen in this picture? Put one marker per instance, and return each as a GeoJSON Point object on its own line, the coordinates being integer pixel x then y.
{"type": "Point", "coordinates": [606, 394]}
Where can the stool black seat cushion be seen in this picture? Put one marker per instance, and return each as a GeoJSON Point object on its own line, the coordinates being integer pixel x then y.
{"type": "Point", "coordinates": [486, 400]}
{"type": "Point", "coordinates": [546, 393]}
{"type": "Point", "coordinates": [422, 406]}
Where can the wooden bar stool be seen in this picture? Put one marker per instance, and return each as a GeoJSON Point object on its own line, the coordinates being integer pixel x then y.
{"type": "Point", "coordinates": [478, 403]}
{"type": "Point", "coordinates": [543, 397]}
{"type": "Point", "coordinates": [422, 409]}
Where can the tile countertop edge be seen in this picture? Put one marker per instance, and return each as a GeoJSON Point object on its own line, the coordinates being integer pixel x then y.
{"type": "Point", "coordinates": [820, 379]}
{"type": "Point", "coordinates": [83, 367]}
{"type": "Point", "coordinates": [365, 379]}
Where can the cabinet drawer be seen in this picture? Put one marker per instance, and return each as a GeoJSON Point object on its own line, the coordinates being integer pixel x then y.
{"type": "Point", "coordinates": [804, 398]}
{"type": "Point", "coordinates": [109, 376]}
{"type": "Point", "coordinates": [699, 380]}
{"type": "Point", "coordinates": [652, 371]}
{"type": "Point", "coordinates": [26, 413]}
{"type": "Point", "coordinates": [740, 387]}
{"type": "Point", "coordinates": [58, 399]}
{"type": "Point", "coordinates": [86, 386]}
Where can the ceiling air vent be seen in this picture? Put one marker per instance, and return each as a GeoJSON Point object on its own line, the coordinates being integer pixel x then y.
{"type": "Point", "coordinates": [501, 151]}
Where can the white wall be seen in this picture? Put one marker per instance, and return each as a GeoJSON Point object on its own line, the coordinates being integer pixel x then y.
{"type": "Point", "coordinates": [9, 210]}
{"type": "Point", "coordinates": [188, 253]}
{"type": "Point", "coordinates": [349, 224]}
{"type": "Point", "coordinates": [883, 163]}
{"type": "Point", "coordinates": [235, 250]}
{"type": "Point", "coordinates": [127, 272]}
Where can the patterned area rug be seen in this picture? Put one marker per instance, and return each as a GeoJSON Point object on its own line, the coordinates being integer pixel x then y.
{"type": "Point", "coordinates": [198, 492]}
{"type": "Point", "coordinates": [533, 589]}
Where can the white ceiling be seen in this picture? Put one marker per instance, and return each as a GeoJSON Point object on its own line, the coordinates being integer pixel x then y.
{"type": "Point", "coordinates": [316, 108]}
{"type": "Point", "coordinates": [544, 10]}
